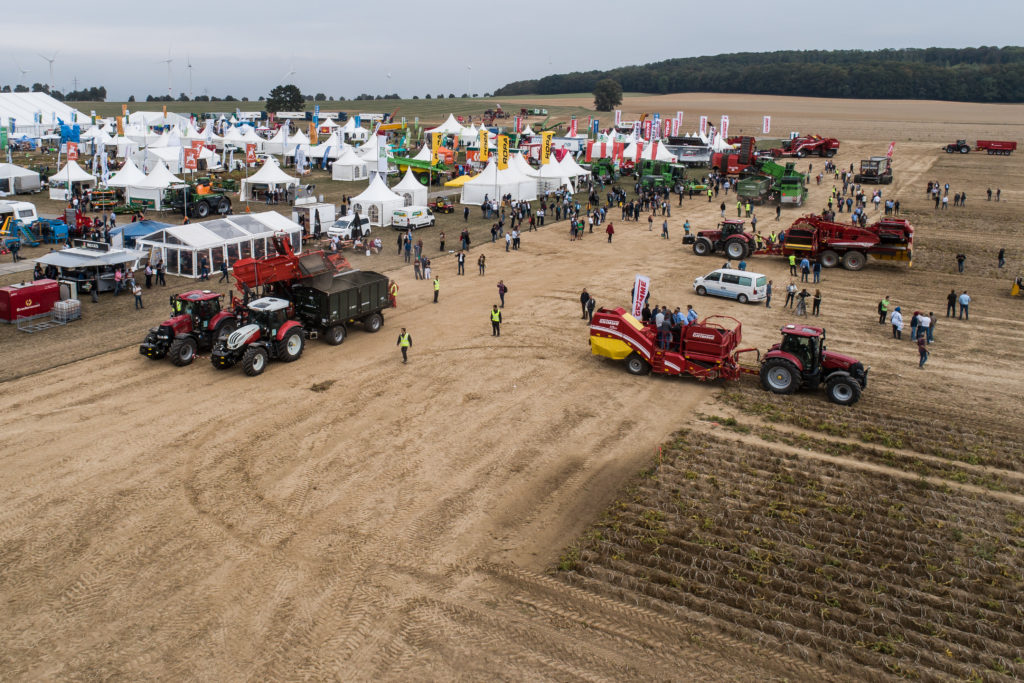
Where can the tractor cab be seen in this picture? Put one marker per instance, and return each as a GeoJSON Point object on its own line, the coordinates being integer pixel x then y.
{"type": "Point", "coordinates": [731, 227]}
{"type": "Point", "coordinates": [270, 313]}
{"type": "Point", "coordinates": [199, 305]}
{"type": "Point", "coordinates": [805, 343]}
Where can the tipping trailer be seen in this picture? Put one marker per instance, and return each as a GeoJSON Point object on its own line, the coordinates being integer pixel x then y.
{"type": "Point", "coordinates": [358, 296]}
{"type": "Point", "coordinates": [1001, 147]}
{"type": "Point", "coordinates": [286, 266]}
{"type": "Point", "coordinates": [890, 239]}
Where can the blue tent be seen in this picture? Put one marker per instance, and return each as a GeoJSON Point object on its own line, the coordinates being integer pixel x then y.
{"type": "Point", "coordinates": [132, 231]}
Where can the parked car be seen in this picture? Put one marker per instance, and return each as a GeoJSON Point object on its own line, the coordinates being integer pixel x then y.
{"type": "Point", "coordinates": [741, 285]}
{"type": "Point", "coordinates": [350, 226]}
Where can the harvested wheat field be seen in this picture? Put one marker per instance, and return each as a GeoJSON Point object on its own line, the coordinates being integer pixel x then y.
{"type": "Point", "coordinates": [514, 508]}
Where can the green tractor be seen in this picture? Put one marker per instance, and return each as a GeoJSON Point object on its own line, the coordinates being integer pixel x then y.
{"type": "Point", "coordinates": [604, 170]}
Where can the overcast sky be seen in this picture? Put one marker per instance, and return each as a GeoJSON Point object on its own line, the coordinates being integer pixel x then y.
{"type": "Point", "coordinates": [382, 47]}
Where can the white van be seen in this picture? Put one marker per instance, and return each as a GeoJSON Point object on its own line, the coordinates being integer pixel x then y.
{"type": "Point", "coordinates": [346, 226]}
{"type": "Point", "coordinates": [412, 217]}
{"type": "Point", "coordinates": [741, 285]}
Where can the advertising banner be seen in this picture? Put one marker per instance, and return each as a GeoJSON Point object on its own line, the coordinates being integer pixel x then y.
{"type": "Point", "coordinates": [503, 151]}
{"type": "Point", "coordinates": [641, 287]}
{"type": "Point", "coordinates": [484, 141]}
{"type": "Point", "coordinates": [704, 125]}
{"type": "Point", "coordinates": [250, 153]}
{"type": "Point", "coordinates": [72, 151]}
{"type": "Point", "coordinates": [618, 117]}
{"type": "Point", "coordinates": [724, 128]}
{"type": "Point", "coordinates": [766, 126]}
{"type": "Point", "coordinates": [192, 158]}
{"type": "Point", "coordinates": [545, 146]}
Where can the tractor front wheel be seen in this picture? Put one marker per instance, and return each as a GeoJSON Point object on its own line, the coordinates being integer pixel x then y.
{"type": "Point", "coordinates": [290, 348]}
{"type": "Point", "coordinates": [636, 365]}
{"type": "Point", "coordinates": [853, 260]}
{"type": "Point", "coordinates": [779, 376]}
{"type": "Point", "coordinates": [828, 259]}
{"type": "Point", "coordinates": [254, 362]}
{"type": "Point", "coordinates": [843, 390]}
{"type": "Point", "coordinates": [183, 351]}
{"type": "Point", "coordinates": [702, 246]}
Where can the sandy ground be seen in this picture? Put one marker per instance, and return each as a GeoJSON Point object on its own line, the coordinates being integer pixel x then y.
{"type": "Point", "coordinates": [397, 523]}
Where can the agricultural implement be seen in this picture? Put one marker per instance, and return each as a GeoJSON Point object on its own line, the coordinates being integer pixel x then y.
{"type": "Point", "coordinates": [266, 332]}
{"type": "Point", "coordinates": [737, 161]}
{"type": "Point", "coordinates": [1000, 147]}
{"type": "Point", "coordinates": [286, 267]}
{"type": "Point", "coordinates": [889, 239]}
{"type": "Point", "coordinates": [877, 170]}
{"type": "Point", "coordinates": [197, 322]}
{"type": "Point", "coordinates": [806, 145]}
{"type": "Point", "coordinates": [442, 205]}
{"type": "Point", "coordinates": [196, 201]}
{"type": "Point", "coordinates": [708, 350]}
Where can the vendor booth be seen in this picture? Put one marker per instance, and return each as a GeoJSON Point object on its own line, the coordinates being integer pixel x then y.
{"type": "Point", "coordinates": [150, 190]}
{"type": "Point", "coordinates": [124, 236]}
{"type": "Point", "coordinates": [377, 202]}
{"type": "Point", "coordinates": [18, 180]}
{"type": "Point", "coordinates": [270, 177]}
{"type": "Point", "coordinates": [92, 263]}
{"type": "Point", "coordinates": [72, 177]}
{"type": "Point", "coordinates": [182, 247]}
{"type": "Point", "coordinates": [349, 167]}
{"type": "Point", "coordinates": [494, 183]}
{"type": "Point", "coordinates": [411, 190]}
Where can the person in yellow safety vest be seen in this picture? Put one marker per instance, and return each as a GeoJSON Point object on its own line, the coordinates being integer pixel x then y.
{"type": "Point", "coordinates": [495, 322]}
{"type": "Point", "coordinates": [739, 209]}
{"type": "Point", "coordinates": [437, 287]}
{"type": "Point", "coordinates": [792, 264]}
{"type": "Point", "coordinates": [771, 237]}
{"type": "Point", "coordinates": [404, 343]}
{"type": "Point", "coordinates": [710, 192]}
{"type": "Point", "coordinates": [748, 209]}
{"type": "Point", "coordinates": [393, 294]}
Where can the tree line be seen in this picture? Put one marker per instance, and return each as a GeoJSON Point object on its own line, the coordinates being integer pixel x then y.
{"type": "Point", "coordinates": [976, 74]}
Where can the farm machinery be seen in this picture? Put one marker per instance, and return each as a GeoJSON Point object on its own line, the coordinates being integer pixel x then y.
{"type": "Point", "coordinates": [197, 321]}
{"type": "Point", "coordinates": [736, 161]}
{"type": "Point", "coordinates": [805, 145]}
{"type": "Point", "coordinates": [442, 205]}
{"type": "Point", "coordinates": [285, 268]}
{"type": "Point", "coordinates": [267, 332]}
{"type": "Point", "coordinates": [788, 185]}
{"type": "Point", "coordinates": [729, 238]}
{"type": "Point", "coordinates": [190, 201]}
{"type": "Point", "coordinates": [877, 170]}
{"type": "Point", "coordinates": [708, 350]}
{"type": "Point", "coordinates": [1001, 147]}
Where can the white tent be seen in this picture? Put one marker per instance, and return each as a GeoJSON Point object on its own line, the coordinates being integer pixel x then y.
{"type": "Point", "coordinates": [15, 179]}
{"type": "Point", "coordinates": [518, 162]}
{"type": "Point", "coordinates": [327, 126]}
{"type": "Point", "coordinates": [333, 146]}
{"type": "Point", "coordinates": [151, 187]}
{"type": "Point", "coordinates": [651, 150]}
{"type": "Point", "coordinates": [423, 154]}
{"type": "Point", "coordinates": [73, 175]}
{"type": "Point", "coordinates": [349, 167]}
{"type": "Point", "coordinates": [495, 183]}
{"type": "Point", "coordinates": [528, 130]}
{"type": "Point", "coordinates": [20, 108]}
{"type": "Point", "coordinates": [377, 202]}
{"type": "Point", "coordinates": [297, 138]}
{"type": "Point", "coordinates": [189, 132]}
{"type": "Point", "coordinates": [450, 126]}
{"type": "Point", "coordinates": [128, 175]}
{"type": "Point", "coordinates": [350, 131]}
{"type": "Point", "coordinates": [468, 135]}
{"type": "Point", "coordinates": [269, 177]}
{"type": "Point", "coordinates": [229, 238]}
{"type": "Point", "coordinates": [412, 191]}
{"type": "Point", "coordinates": [571, 168]}
{"type": "Point", "coordinates": [149, 119]}
{"type": "Point", "coordinates": [276, 144]}
{"type": "Point", "coordinates": [160, 177]}
{"type": "Point", "coordinates": [551, 176]}
{"type": "Point", "coordinates": [368, 151]}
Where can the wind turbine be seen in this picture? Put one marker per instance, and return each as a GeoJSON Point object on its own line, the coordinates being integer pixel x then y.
{"type": "Point", "coordinates": [168, 63]}
{"type": "Point", "coordinates": [291, 72]}
{"type": "Point", "coordinates": [51, 60]}
{"type": "Point", "coordinates": [469, 77]}
{"type": "Point", "coordinates": [188, 63]}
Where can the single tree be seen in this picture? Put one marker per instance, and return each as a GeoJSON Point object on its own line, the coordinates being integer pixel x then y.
{"type": "Point", "coordinates": [607, 95]}
{"type": "Point", "coordinates": [285, 98]}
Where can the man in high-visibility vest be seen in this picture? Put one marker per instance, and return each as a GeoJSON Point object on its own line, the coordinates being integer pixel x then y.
{"type": "Point", "coordinates": [437, 287]}
{"type": "Point", "coordinates": [393, 294]}
{"type": "Point", "coordinates": [792, 264]}
{"type": "Point", "coordinates": [495, 322]}
{"type": "Point", "coordinates": [405, 343]}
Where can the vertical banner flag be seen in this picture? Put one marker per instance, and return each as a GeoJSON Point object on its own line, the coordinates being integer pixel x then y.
{"type": "Point", "coordinates": [197, 145]}
{"type": "Point", "coordinates": [545, 146]}
{"type": "Point", "coordinates": [314, 130]}
{"type": "Point", "coordinates": [679, 119]}
{"type": "Point", "coordinates": [618, 118]}
{"type": "Point", "coordinates": [595, 126]}
{"type": "Point", "coordinates": [647, 129]}
{"type": "Point", "coordinates": [72, 151]}
{"type": "Point", "coordinates": [641, 287]}
{"type": "Point", "coordinates": [120, 126]}
{"type": "Point", "coordinates": [589, 158]}
{"type": "Point", "coordinates": [725, 126]}
{"type": "Point", "coordinates": [382, 155]}
{"type": "Point", "coordinates": [618, 150]}
{"type": "Point", "coordinates": [250, 153]}
{"type": "Point", "coordinates": [639, 151]}
{"type": "Point", "coordinates": [483, 144]}
{"type": "Point", "coordinates": [435, 143]}
{"type": "Point", "coordinates": [655, 126]}
{"type": "Point", "coordinates": [892, 148]}
{"type": "Point", "coordinates": [668, 128]}
{"type": "Point", "coordinates": [767, 125]}
{"type": "Point", "coordinates": [503, 152]}
{"type": "Point", "coordinates": [3, 139]}
{"type": "Point", "coordinates": [572, 127]}
{"type": "Point", "coordinates": [191, 158]}
{"type": "Point", "coordinates": [675, 126]}
{"type": "Point", "coordinates": [704, 125]}
{"type": "Point", "coordinates": [165, 113]}
{"type": "Point", "coordinates": [636, 130]}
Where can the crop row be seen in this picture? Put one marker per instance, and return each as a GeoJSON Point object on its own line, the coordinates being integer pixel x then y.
{"type": "Point", "coordinates": [818, 559]}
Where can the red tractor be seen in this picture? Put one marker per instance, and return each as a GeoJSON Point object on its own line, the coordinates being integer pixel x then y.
{"type": "Point", "coordinates": [196, 322]}
{"type": "Point", "coordinates": [729, 239]}
{"type": "Point", "coordinates": [707, 350]}
{"type": "Point", "coordinates": [805, 145]}
{"type": "Point", "coordinates": [267, 331]}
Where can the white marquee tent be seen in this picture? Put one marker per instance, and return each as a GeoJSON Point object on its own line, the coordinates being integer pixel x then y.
{"type": "Point", "coordinates": [377, 202]}
{"type": "Point", "coordinates": [551, 176]}
{"type": "Point", "coordinates": [72, 174]}
{"type": "Point", "coordinates": [15, 179]}
{"type": "Point", "coordinates": [653, 151]}
{"type": "Point", "coordinates": [23, 107]}
{"type": "Point", "coordinates": [412, 191]}
{"type": "Point", "coordinates": [450, 126]}
{"type": "Point", "coordinates": [230, 238]}
{"type": "Point", "coordinates": [128, 175]}
{"type": "Point", "coordinates": [269, 177]}
{"type": "Point", "coordinates": [349, 167]}
{"type": "Point", "coordinates": [151, 187]}
{"type": "Point", "coordinates": [350, 131]}
{"type": "Point", "coordinates": [495, 183]}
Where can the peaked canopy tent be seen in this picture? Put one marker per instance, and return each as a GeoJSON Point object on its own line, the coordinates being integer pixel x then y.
{"type": "Point", "coordinates": [150, 189]}
{"type": "Point", "coordinates": [377, 202]}
{"type": "Point", "coordinates": [350, 131]}
{"type": "Point", "coordinates": [494, 183]}
{"type": "Point", "coordinates": [333, 147]}
{"type": "Point", "coordinates": [651, 150]}
{"type": "Point", "coordinates": [551, 176]}
{"type": "Point", "coordinates": [411, 190]}
{"type": "Point", "coordinates": [269, 177]}
{"type": "Point", "coordinates": [449, 127]}
{"type": "Point", "coordinates": [129, 174]}
{"type": "Point", "coordinates": [64, 182]}
{"type": "Point", "coordinates": [571, 168]}
{"type": "Point", "coordinates": [156, 119]}
{"type": "Point", "coordinates": [181, 247]}
{"type": "Point", "coordinates": [349, 167]}
{"type": "Point", "coordinates": [17, 180]}
{"type": "Point", "coordinates": [277, 143]}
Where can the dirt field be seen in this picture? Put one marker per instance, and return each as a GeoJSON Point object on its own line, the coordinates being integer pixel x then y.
{"type": "Point", "coordinates": [349, 517]}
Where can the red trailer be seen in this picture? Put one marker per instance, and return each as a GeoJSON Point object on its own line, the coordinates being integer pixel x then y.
{"type": "Point", "coordinates": [889, 239]}
{"type": "Point", "coordinates": [28, 300]}
{"type": "Point", "coordinates": [1002, 147]}
{"type": "Point", "coordinates": [807, 144]}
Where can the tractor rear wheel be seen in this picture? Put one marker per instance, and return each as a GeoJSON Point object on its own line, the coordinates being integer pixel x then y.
{"type": "Point", "coordinates": [202, 209]}
{"type": "Point", "coordinates": [843, 390]}
{"type": "Point", "coordinates": [828, 259]}
{"type": "Point", "coordinates": [853, 260]}
{"type": "Point", "coordinates": [636, 365]}
{"type": "Point", "coordinates": [702, 246]}
{"type": "Point", "coordinates": [183, 351]}
{"type": "Point", "coordinates": [254, 362]}
{"type": "Point", "coordinates": [335, 334]}
{"type": "Point", "coordinates": [290, 348]}
{"type": "Point", "coordinates": [373, 323]}
{"type": "Point", "coordinates": [736, 248]}
{"type": "Point", "coordinates": [779, 376]}
{"type": "Point", "coordinates": [224, 205]}
{"type": "Point", "coordinates": [965, 149]}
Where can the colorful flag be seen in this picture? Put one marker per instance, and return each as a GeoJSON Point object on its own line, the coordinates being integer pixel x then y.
{"type": "Point", "coordinates": [704, 125]}
{"type": "Point", "coordinates": [641, 286]}
{"type": "Point", "coordinates": [503, 152]}
{"type": "Point", "coordinates": [484, 142]}
{"type": "Point", "coordinates": [725, 126]}
{"type": "Point", "coordinates": [892, 148]}
{"type": "Point", "coordinates": [766, 126]}
{"type": "Point", "coordinates": [618, 117]}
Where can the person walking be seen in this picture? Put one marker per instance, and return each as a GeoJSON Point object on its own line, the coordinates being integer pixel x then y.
{"type": "Point", "coordinates": [951, 304]}
{"type": "Point", "coordinates": [137, 291]}
{"type": "Point", "coordinates": [792, 264]}
{"type": "Point", "coordinates": [393, 293]}
{"type": "Point", "coordinates": [437, 287]}
{"type": "Point", "coordinates": [922, 351]}
{"type": "Point", "coordinates": [817, 271]}
{"type": "Point", "coordinates": [502, 289]}
{"type": "Point", "coordinates": [965, 301]}
{"type": "Point", "coordinates": [465, 215]}
{"type": "Point", "coordinates": [790, 295]}
{"type": "Point", "coordinates": [897, 323]}
{"type": "Point", "coordinates": [664, 229]}
{"type": "Point", "coordinates": [15, 248]}
{"type": "Point", "coordinates": [495, 321]}
{"type": "Point", "coordinates": [768, 295]}
{"type": "Point", "coordinates": [960, 258]}
{"type": "Point", "coordinates": [481, 263]}
{"type": "Point", "coordinates": [461, 260]}
{"type": "Point", "coordinates": [404, 343]}
{"type": "Point", "coordinates": [584, 299]}
{"type": "Point", "coordinates": [816, 302]}
{"type": "Point", "coordinates": [1002, 257]}
{"type": "Point", "coordinates": [223, 273]}
{"type": "Point", "coordinates": [883, 309]}
{"type": "Point", "coordinates": [611, 231]}
{"type": "Point", "coordinates": [591, 305]}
